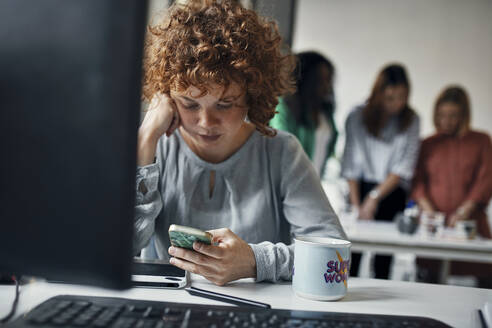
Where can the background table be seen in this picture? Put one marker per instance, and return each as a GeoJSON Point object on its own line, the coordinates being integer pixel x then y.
{"type": "Point", "coordinates": [384, 238]}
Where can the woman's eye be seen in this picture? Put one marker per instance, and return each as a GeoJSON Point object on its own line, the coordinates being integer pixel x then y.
{"type": "Point", "coordinates": [224, 106]}
{"type": "Point", "coordinates": [190, 106]}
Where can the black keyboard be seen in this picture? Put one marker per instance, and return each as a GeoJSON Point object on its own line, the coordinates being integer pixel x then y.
{"type": "Point", "coordinates": [91, 311]}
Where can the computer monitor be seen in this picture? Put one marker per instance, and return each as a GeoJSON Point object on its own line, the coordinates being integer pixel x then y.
{"type": "Point", "coordinates": [70, 73]}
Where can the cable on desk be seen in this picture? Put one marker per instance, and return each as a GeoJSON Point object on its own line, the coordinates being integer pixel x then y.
{"type": "Point", "coordinates": [14, 304]}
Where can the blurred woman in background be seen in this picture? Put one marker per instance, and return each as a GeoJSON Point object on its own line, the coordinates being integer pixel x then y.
{"type": "Point", "coordinates": [454, 171]}
{"type": "Point", "coordinates": [308, 113]}
{"type": "Point", "coordinates": [381, 149]}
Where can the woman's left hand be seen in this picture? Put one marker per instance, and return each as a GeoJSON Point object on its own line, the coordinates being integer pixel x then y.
{"type": "Point", "coordinates": [231, 259]}
{"type": "Point", "coordinates": [464, 212]}
{"type": "Point", "coordinates": [368, 209]}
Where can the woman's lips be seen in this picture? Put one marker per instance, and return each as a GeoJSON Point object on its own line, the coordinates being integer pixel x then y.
{"type": "Point", "coordinates": [209, 138]}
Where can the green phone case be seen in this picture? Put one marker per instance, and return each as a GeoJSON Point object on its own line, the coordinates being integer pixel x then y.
{"type": "Point", "coordinates": [185, 240]}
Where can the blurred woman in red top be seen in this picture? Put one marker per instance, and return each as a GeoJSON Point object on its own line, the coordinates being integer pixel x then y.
{"type": "Point", "coordinates": [454, 176]}
{"type": "Point", "coordinates": [454, 170]}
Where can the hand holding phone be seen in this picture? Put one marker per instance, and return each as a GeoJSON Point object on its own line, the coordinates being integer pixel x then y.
{"type": "Point", "coordinates": [229, 258]}
{"type": "Point", "coordinates": [182, 236]}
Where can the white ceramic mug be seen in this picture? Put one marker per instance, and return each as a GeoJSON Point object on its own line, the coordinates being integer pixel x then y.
{"type": "Point", "coordinates": [321, 267]}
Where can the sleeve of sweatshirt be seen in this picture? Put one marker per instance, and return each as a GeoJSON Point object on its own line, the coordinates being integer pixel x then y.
{"type": "Point", "coordinates": [148, 202]}
{"type": "Point", "coordinates": [304, 206]}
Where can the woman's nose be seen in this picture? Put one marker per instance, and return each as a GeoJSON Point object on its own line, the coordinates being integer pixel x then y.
{"type": "Point", "coordinates": [208, 119]}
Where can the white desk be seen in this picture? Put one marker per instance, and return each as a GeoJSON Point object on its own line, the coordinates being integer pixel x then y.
{"type": "Point", "coordinates": [456, 306]}
{"type": "Point", "coordinates": [383, 237]}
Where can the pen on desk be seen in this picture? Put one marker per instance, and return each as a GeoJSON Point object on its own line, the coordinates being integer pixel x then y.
{"type": "Point", "coordinates": [482, 319]}
{"type": "Point", "coordinates": [226, 298]}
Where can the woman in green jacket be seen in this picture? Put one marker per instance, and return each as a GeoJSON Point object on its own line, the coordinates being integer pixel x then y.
{"type": "Point", "coordinates": [308, 113]}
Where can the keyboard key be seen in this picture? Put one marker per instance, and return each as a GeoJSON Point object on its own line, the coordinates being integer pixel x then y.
{"type": "Point", "coordinates": [173, 311]}
{"type": "Point", "coordinates": [139, 308]}
{"type": "Point", "coordinates": [163, 324]}
{"type": "Point", "coordinates": [145, 323]}
{"type": "Point", "coordinates": [101, 323]}
{"type": "Point", "coordinates": [155, 313]}
{"type": "Point", "coordinates": [124, 323]}
{"type": "Point", "coordinates": [41, 318]}
{"type": "Point", "coordinates": [63, 305]}
{"type": "Point", "coordinates": [81, 304]}
{"type": "Point", "coordinates": [80, 322]}
{"type": "Point", "coordinates": [59, 321]}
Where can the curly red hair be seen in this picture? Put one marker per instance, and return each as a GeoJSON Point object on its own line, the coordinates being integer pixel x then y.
{"type": "Point", "coordinates": [219, 42]}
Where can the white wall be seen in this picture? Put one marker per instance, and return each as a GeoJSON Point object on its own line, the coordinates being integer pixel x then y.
{"type": "Point", "coordinates": [439, 41]}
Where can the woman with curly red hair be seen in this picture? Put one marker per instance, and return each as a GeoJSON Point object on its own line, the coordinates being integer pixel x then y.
{"type": "Point", "coordinates": [213, 72]}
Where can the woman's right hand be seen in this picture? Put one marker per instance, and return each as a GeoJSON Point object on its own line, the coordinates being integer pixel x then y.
{"type": "Point", "coordinates": [425, 205]}
{"type": "Point", "coordinates": [230, 259]}
{"type": "Point", "coordinates": [161, 118]}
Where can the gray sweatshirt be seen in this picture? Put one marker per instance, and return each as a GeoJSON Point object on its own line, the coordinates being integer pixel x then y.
{"type": "Point", "coordinates": [266, 193]}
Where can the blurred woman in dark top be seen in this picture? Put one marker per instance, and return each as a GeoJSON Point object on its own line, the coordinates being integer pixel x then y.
{"type": "Point", "coordinates": [308, 113]}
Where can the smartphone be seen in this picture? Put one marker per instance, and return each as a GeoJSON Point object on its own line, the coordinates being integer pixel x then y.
{"type": "Point", "coordinates": [182, 236]}
{"type": "Point", "coordinates": [157, 274]}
